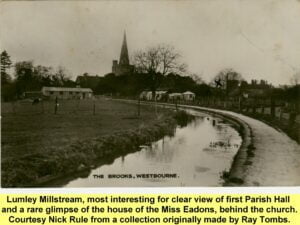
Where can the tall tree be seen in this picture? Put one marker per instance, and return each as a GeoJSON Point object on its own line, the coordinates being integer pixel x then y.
{"type": "Point", "coordinates": [226, 78]}
{"type": "Point", "coordinates": [43, 74]}
{"type": "Point", "coordinates": [157, 62]}
{"type": "Point", "coordinates": [61, 77]}
{"type": "Point", "coordinates": [25, 79]}
{"type": "Point", "coordinates": [5, 64]}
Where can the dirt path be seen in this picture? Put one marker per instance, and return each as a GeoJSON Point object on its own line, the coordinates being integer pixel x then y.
{"type": "Point", "coordinates": [277, 157]}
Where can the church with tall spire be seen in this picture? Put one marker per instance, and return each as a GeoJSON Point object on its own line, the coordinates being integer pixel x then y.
{"type": "Point", "coordinates": [123, 66]}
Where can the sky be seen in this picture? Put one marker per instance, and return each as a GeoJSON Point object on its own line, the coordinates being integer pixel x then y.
{"type": "Point", "coordinates": [258, 38]}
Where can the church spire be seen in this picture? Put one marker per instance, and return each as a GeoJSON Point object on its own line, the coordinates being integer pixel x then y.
{"type": "Point", "coordinates": [124, 58]}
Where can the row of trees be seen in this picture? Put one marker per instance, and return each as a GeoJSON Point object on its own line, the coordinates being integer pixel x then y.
{"type": "Point", "coordinates": [158, 67]}
{"type": "Point", "coordinates": [157, 62]}
{"type": "Point", "coordinates": [28, 77]}
{"type": "Point", "coordinates": [131, 85]}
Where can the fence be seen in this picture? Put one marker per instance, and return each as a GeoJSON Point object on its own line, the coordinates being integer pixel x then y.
{"type": "Point", "coordinates": [91, 106]}
{"type": "Point", "coordinates": [277, 109]}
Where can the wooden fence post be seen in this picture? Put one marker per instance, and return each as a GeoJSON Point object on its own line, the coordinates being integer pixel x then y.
{"type": "Point", "coordinates": [139, 106]}
{"type": "Point", "coordinates": [94, 107]}
{"type": "Point", "coordinates": [43, 109]}
{"type": "Point", "coordinates": [272, 107]}
{"type": "Point", "coordinates": [56, 105]}
{"type": "Point", "coordinates": [13, 107]}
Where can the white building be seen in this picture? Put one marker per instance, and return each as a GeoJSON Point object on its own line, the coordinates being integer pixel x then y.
{"type": "Point", "coordinates": [147, 95]}
{"type": "Point", "coordinates": [67, 92]}
{"type": "Point", "coordinates": [175, 96]}
{"type": "Point", "coordinates": [188, 96]}
{"type": "Point", "coordinates": [159, 95]}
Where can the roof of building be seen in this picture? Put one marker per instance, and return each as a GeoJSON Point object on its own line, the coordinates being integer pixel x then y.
{"type": "Point", "coordinates": [32, 92]}
{"type": "Point", "coordinates": [67, 89]}
{"type": "Point", "coordinates": [188, 93]}
{"type": "Point", "coordinates": [161, 92]}
{"type": "Point", "coordinates": [175, 94]}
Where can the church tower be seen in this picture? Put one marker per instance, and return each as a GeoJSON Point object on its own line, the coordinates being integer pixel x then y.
{"type": "Point", "coordinates": [123, 67]}
{"type": "Point", "coordinates": [124, 58]}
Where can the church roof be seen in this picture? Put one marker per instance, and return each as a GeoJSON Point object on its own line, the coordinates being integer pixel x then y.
{"type": "Point", "coordinates": [124, 58]}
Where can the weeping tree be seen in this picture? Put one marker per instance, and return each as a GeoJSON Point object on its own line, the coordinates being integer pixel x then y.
{"type": "Point", "coordinates": [156, 62]}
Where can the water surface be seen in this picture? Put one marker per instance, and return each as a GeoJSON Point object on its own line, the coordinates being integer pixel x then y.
{"type": "Point", "coordinates": [195, 156]}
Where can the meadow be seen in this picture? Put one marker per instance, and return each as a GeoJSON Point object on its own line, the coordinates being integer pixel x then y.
{"type": "Point", "coordinates": [39, 146]}
{"type": "Point", "coordinates": [28, 129]}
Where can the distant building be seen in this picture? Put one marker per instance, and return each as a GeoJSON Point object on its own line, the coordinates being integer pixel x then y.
{"type": "Point", "coordinates": [232, 84]}
{"type": "Point", "coordinates": [188, 96]}
{"type": "Point", "coordinates": [255, 88]}
{"type": "Point", "coordinates": [164, 96]}
{"type": "Point", "coordinates": [175, 96]}
{"type": "Point", "coordinates": [159, 95]}
{"type": "Point", "coordinates": [123, 67]}
{"type": "Point", "coordinates": [146, 95]}
{"type": "Point", "coordinates": [67, 93]}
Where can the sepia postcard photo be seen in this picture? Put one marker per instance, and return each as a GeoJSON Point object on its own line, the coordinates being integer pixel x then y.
{"type": "Point", "coordinates": [150, 93]}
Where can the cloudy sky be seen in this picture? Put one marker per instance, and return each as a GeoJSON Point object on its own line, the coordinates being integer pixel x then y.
{"type": "Point", "coordinates": [258, 38]}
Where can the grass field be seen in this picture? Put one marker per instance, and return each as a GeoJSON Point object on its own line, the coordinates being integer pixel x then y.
{"type": "Point", "coordinates": [29, 129]}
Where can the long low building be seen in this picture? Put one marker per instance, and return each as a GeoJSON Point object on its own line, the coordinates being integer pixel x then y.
{"type": "Point", "coordinates": [163, 95]}
{"type": "Point", "coordinates": [67, 92]}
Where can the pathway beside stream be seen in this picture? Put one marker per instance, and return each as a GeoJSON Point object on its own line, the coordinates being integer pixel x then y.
{"type": "Point", "coordinates": [276, 160]}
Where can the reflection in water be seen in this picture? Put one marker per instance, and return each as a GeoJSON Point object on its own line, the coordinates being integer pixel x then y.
{"type": "Point", "coordinates": [196, 154]}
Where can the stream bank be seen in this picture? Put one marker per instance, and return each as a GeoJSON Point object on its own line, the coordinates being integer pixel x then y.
{"type": "Point", "coordinates": [195, 156]}
{"type": "Point", "coordinates": [243, 158]}
{"type": "Point", "coordinates": [267, 158]}
{"type": "Point", "coordinates": [38, 169]}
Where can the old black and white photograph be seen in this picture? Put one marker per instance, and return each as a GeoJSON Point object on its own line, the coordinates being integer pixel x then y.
{"type": "Point", "coordinates": [150, 93]}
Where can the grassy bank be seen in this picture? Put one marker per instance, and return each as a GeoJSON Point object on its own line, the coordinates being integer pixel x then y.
{"type": "Point", "coordinates": [37, 148]}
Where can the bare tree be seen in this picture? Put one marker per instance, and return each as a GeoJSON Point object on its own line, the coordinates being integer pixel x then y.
{"type": "Point", "coordinates": [158, 61]}
{"type": "Point", "coordinates": [43, 74]}
{"type": "Point", "coordinates": [60, 77]}
{"type": "Point", "coordinates": [225, 75]}
{"type": "Point", "coordinates": [169, 58]}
